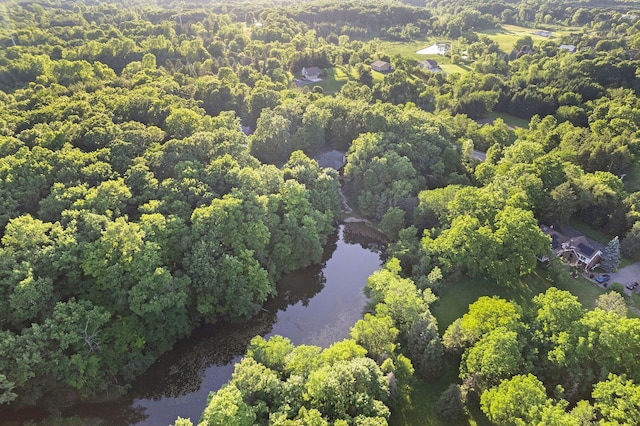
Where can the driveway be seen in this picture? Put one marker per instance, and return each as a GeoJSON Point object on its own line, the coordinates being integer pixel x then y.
{"type": "Point", "coordinates": [626, 275]}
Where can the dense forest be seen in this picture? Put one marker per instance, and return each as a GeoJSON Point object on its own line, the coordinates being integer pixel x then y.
{"type": "Point", "coordinates": [157, 174]}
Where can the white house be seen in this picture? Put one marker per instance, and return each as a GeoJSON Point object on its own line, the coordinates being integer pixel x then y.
{"type": "Point", "coordinates": [568, 47]}
{"type": "Point", "coordinates": [430, 65]}
{"type": "Point", "coordinates": [585, 254]}
{"type": "Point", "coordinates": [381, 66]}
{"type": "Point", "coordinates": [312, 73]}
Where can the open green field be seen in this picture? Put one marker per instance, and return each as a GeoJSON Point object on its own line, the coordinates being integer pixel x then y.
{"type": "Point", "coordinates": [510, 120]}
{"type": "Point", "coordinates": [409, 49]}
{"type": "Point", "coordinates": [406, 49]}
{"type": "Point", "coordinates": [331, 83]}
{"type": "Point", "coordinates": [506, 35]}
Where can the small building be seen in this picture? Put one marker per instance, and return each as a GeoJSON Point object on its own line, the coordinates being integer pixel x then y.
{"type": "Point", "coordinates": [568, 47]}
{"type": "Point", "coordinates": [430, 65]}
{"type": "Point", "coordinates": [312, 73]}
{"type": "Point", "coordinates": [577, 250]}
{"type": "Point", "coordinates": [381, 66]}
{"type": "Point", "coordinates": [333, 159]}
{"type": "Point", "coordinates": [586, 256]}
{"type": "Point", "coordinates": [543, 33]}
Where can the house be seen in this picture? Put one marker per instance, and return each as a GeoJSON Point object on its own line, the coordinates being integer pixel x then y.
{"type": "Point", "coordinates": [333, 159]}
{"type": "Point", "coordinates": [430, 65]}
{"type": "Point", "coordinates": [381, 66]}
{"type": "Point", "coordinates": [585, 254]}
{"type": "Point", "coordinates": [577, 250]}
{"type": "Point", "coordinates": [568, 47]}
{"type": "Point", "coordinates": [312, 73]}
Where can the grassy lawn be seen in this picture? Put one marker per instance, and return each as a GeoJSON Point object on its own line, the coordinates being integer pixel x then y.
{"type": "Point", "coordinates": [594, 234]}
{"type": "Point", "coordinates": [334, 80]}
{"type": "Point", "coordinates": [454, 68]}
{"type": "Point", "coordinates": [507, 35]}
{"type": "Point", "coordinates": [511, 120]}
{"type": "Point", "coordinates": [458, 295]}
{"type": "Point", "coordinates": [419, 407]}
{"type": "Point", "coordinates": [407, 49]}
{"type": "Point", "coordinates": [377, 76]}
{"type": "Point", "coordinates": [632, 180]}
{"type": "Point", "coordinates": [336, 77]}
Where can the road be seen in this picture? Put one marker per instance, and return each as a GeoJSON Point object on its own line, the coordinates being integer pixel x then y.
{"type": "Point", "coordinates": [626, 275]}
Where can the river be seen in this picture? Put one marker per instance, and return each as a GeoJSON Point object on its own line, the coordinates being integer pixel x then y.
{"type": "Point", "coordinates": [316, 305]}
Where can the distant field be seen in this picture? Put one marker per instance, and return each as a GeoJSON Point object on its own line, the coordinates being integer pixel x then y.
{"type": "Point", "coordinates": [507, 35]}
{"type": "Point", "coordinates": [334, 80]}
{"type": "Point", "coordinates": [406, 49]}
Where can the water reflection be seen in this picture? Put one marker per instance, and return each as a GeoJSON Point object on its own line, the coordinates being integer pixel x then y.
{"type": "Point", "coordinates": [317, 305]}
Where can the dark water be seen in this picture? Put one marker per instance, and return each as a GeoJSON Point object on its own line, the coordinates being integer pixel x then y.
{"type": "Point", "coordinates": [317, 305]}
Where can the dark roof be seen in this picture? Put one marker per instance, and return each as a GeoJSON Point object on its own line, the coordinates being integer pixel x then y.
{"type": "Point", "coordinates": [334, 159]}
{"type": "Point", "coordinates": [586, 249]}
{"type": "Point", "coordinates": [554, 242]}
{"type": "Point", "coordinates": [430, 62]}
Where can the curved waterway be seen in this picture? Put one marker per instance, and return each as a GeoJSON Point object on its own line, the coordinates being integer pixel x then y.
{"type": "Point", "coordinates": [317, 305]}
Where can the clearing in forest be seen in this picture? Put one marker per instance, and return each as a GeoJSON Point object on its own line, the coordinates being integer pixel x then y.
{"type": "Point", "coordinates": [507, 35]}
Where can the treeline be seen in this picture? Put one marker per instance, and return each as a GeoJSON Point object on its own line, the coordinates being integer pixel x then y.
{"type": "Point", "coordinates": [541, 12]}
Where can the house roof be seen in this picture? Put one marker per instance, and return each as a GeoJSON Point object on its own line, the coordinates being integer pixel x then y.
{"type": "Point", "coordinates": [312, 71]}
{"type": "Point", "coordinates": [334, 159]}
{"type": "Point", "coordinates": [588, 251]}
{"type": "Point", "coordinates": [379, 64]}
{"type": "Point", "coordinates": [581, 244]}
{"type": "Point", "coordinates": [430, 63]}
{"type": "Point", "coordinates": [569, 47]}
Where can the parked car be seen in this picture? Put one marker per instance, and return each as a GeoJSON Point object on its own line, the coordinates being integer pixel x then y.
{"type": "Point", "coordinates": [633, 285]}
{"type": "Point", "coordinates": [603, 278]}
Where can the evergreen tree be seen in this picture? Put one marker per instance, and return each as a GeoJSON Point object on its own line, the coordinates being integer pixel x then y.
{"type": "Point", "coordinates": [611, 255]}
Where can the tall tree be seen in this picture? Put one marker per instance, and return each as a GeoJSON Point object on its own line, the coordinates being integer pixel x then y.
{"type": "Point", "coordinates": [611, 255]}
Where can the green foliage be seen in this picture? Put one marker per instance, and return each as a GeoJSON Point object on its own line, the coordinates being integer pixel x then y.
{"type": "Point", "coordinates": [449, 405]}
{"type": "Point", "coordinates": [617, 400]}
{"type": "Point", "coordinates": [340, 384]}
{"type": "Point", "coordinates": [226, 407]}
{"type": "Point", "coordinates": [611, 256]}
{"type": "Point", "coordinates": [131, 200]}
{"type": "Point", "coordinates": [514, 401]}
{"type": "Point", "coordinates": [613, 302]}
{"type": "Point", "coordinates": [376, 334]}
{"type": "Point", "coordinates": [424, 346]}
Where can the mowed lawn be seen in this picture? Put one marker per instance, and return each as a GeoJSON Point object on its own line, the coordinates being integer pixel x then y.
{"type": "Point", "coordinates": [419, 407]}
{"type": "Point", "coordinates": [507, 35]}
{"type": "Point", "coordinates": [510, 120]}
{"type": "Point", "coordinates": [408, 50]}
{"type": "Point", "coordinates": [334, 80]}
